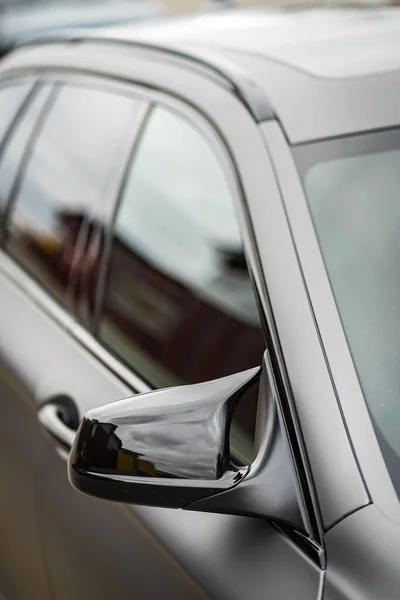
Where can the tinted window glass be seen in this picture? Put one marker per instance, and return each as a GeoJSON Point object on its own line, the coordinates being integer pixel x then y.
{"type": "Point", "coordinates": [17, 144]}
{"type": "Point", "coordinates": [353, 188]}
{"type": "Point", "coordinates": [65, 180]}
{"type": "Point", "coordinates": [179, 307]}
{"type": "Point", "coordinates": [11, 98]}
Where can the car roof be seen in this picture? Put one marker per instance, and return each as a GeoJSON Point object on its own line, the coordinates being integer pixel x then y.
{"type": "Point", "coordinates": [326, 41]}
{"type": "Point", "coordinates": [324, 71]}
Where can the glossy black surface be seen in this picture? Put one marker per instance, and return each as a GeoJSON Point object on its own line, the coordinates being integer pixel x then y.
{"type": "Point", "coordinates": [164, 448]}
{"type": "Point", "coordinates": [270, 489]}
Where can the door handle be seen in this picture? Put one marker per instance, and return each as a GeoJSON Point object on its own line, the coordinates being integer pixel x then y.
{"type": "Point", "coordinates": [60, 420]}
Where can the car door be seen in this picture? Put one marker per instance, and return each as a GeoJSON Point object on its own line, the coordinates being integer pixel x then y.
{"type": "Point", "coordinates": [39, 200]}
{"type": "Point", "coordinates": [171, 302]}
{"type": "Point", "coordinates": [22, 100]}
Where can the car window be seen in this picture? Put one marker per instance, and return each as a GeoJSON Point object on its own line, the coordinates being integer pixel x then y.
{"type": "Point", "coordinates": [179, 307]}
{"type": "Point", "coordinates": [65, 179]}
{"type": "Point", "coordinates": [11, 98]}
{"type": "Point", "coordinates": [352, 187]}
{"type": "Point", "coordinates": [16, 145]}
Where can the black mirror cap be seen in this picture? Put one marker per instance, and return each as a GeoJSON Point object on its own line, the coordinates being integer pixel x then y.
{"type": "Point", "coordinates": [170, 448]}
{"type": "Point", "coordinates": [165, 448]}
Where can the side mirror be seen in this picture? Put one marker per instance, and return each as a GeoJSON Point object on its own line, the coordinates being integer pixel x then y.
{"type": "Point", "coordinates": [170, 448]}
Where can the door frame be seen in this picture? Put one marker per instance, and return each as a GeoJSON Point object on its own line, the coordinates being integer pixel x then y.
{"type": "Point", "coordinates": [306, 392]}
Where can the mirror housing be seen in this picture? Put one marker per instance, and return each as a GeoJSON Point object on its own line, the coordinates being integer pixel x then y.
{"type": "Point", "coordinates": [170, 448]}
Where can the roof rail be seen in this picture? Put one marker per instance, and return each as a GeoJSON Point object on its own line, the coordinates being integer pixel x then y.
{"type": "Point", "coordinates": [251, 95]}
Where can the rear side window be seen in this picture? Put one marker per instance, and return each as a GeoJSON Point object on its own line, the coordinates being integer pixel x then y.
{"type": "Point", "coordinates": [179, 307]}
{"type": "Point", "coordinates": [11, 99]}
{"type": "Point", "coordinates": [17, 144]}
{"type": "Point", "coordinates": [64, 181]}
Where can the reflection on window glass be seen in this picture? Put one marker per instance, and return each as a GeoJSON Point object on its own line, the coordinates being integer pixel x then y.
{"type": "Point", "coordinates": [65, 180]}
{"type": "Point", "coordinates": [353, 194]}
{"type": "Point", "coordinates": [16, 146]}
{"type": "Point", "coordinates": [11, 98]}
{"type": "Point", "coordinates": [179, 307]}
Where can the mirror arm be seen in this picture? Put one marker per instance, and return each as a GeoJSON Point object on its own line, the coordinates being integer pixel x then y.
{"type": "Point", "coordinates": [270, 489]}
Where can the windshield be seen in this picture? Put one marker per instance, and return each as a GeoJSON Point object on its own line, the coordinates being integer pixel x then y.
{"type": "Point", "coordinates": [353, 191]}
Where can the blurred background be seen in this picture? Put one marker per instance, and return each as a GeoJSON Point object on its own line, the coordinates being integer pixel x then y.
{"type": "Point", "coordinates": [21, 20]}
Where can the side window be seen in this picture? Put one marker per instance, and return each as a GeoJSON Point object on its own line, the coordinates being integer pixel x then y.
{"type": "Point", "coordinates": [11, 98]}
{"type": "Point", "coordinates": [65, 180]}
{"type": "Point", "coordinates": [178, 305]}
{"type": "Point", "coordinates": [16, 145]}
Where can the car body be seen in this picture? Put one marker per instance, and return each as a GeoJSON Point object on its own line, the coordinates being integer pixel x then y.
{"type": "Point", "coordinates": [272, 122]}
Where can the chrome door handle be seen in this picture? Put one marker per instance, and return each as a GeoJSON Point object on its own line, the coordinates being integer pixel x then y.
{"type": "Point", "coordinates": [52, 416]}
